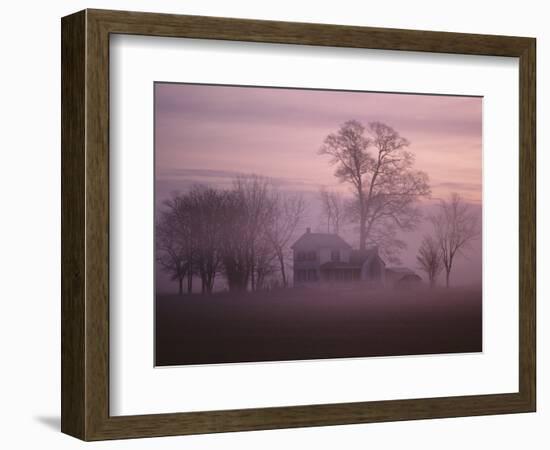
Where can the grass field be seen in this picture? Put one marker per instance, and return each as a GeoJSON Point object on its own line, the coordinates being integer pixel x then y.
{"type": "Point", "coordinates": [313, 323]}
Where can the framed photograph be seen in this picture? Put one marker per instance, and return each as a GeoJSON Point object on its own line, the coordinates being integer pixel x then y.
{"type": "Point", "coordinates": [270, 224]}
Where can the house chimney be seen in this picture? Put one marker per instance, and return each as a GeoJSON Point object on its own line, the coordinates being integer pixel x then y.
{"type": "Point", "coordinates": [308, 230]}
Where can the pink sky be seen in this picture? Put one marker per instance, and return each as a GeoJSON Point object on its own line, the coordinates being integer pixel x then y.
{"type": "Point", "coordinates": [277, 132]}
{"type": "Point", "coordinates": [208, 134]}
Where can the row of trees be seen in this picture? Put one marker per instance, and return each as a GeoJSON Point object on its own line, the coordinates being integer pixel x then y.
{"type": "Point", "coordinates": [242, 234]}
{"type": "Point", "coordinates": [455, 227]}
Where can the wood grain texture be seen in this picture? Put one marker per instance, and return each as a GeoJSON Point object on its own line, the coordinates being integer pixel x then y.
{"type": "Point", "coordinates": [201, 27]}
{"type": "Point", "coordinates": [527, 224]}
{"type": "Point", "coordinates": [85, 224]}
{"type": "Point", "coordinates": [73, 226]}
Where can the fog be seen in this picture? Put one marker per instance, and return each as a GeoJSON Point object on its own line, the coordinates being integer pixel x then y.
{"type": "Point", "coordinates": [467, 268]}
{"type": "Point", "coordinates": [211, 135]}
{"type": "Point", "coordinates": [298, 324]}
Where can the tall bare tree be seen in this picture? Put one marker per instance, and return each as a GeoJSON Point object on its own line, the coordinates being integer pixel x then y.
{"type": "Point", "coordinates": [235, 248]}
{"type": "Point", "coordinates": [348, 149]}
{"type": "Point", "coordinates": [374, 160]}
{"type": "Point", "coordinates": [456, 225]}
{"type": "Point", "coordinates": [429, 258]}
{"type": "Point", "coordinates": [288, 213]}
{"type": "Point", "coordinates": [254, 192]}
{"type": "Point", "coordinates": [332, 210]}
{"type": "Point", "coordinates": [265, 261]}
{"type": "Point", "coordinates": [205, 207]}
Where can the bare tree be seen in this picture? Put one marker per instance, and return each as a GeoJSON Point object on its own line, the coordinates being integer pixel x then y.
{"type": "Point", "coordinates": [188, 236]}
{"type": "Point", "coordinates": [288, 213]}
{"type": "Point", "coordinates": [333, 211]}
{"type": "Point", "coordinates": [205, 207]}
{"type": "Point", "coordinates": [235, 249]}
{"type": "Point", "coordinates": [375, 162]}
{"type": "Point", "coordinates": [266, 223]}
{"type": "Point", "coordinates": [174, 248]}
{"type": "Point", "coordinates": [386, 237]}
{"type": "Point", "coordinates": [456, 225]}
{"type": "Point", "coordinates": [348, 149]}
{"type": "Point", "coordinates": [265, 260]}
{"type": "Point", "coordinates": [243, 233]}
{"type": "Point", "coordinates": [429, 259]}
{"type": "Point", "coordinates": [255, 205]}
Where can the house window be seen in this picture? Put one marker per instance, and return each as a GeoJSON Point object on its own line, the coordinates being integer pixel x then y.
{"type": "Point", "coordinates": [300, 275]}
{"type": "Point", "coordinates": [306, 256]}
{"type": "Point", "coordinates": [335, 255]}
{"type": "Point", "coordinates": [311, 275]}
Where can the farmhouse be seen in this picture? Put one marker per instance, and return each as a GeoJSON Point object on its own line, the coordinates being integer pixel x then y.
{"type": "Point", "coordinates": [326, 257]}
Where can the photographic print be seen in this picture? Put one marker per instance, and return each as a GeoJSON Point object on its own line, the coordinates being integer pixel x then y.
{"type": "Point", "coordinates": [303, 224]}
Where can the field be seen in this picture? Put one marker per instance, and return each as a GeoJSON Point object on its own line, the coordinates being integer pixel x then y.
{"type": "Point", "coordinates": [312, 323]}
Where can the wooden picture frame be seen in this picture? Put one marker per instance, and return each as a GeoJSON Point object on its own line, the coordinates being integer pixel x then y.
{"type": "Point", "coordinates": [85, 224]}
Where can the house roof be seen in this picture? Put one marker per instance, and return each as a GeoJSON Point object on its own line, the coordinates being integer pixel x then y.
{"type": "Point", "coordinates": [360, 256]}
{"type": "Point", "coordinates": [320, 240]}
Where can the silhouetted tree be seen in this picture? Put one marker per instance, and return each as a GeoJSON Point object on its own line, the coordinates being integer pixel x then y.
{"type": "Point", "coordinates": [265, 262]}
{"type": "Point", "coordinates": [174, 248]}
{"type": "Point", "coordinates": [242, 232]}
{"type": "Point", "coordinates": [254, 193]}
{"type": "Point", "coordinates": [287, 214]}
{"type": "Point", "coordinates": [375, 162]}
{"type": "Point", "coordinates": [456, 225]}
{"type": "Point", "coordinates": [235, 249]}
{"type": "Point", "coordinates": [332, 210]}
{"type": "Point", "coordinates": [205, 208]}
{"type": "Point", "coordinates": [429, 259]}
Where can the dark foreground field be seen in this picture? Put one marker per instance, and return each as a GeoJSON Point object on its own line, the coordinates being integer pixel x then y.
{"type": "Point", "coordinates": [296, 324]}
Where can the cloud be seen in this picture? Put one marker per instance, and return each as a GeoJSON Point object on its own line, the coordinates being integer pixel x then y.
{"type": "Point", "coordinates": [316, 108]}
{"type": "Point", "coordinates": [472, 187]}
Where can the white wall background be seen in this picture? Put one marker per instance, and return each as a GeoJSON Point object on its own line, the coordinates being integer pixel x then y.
{"type": "Point", "coordinates": [30, 225]}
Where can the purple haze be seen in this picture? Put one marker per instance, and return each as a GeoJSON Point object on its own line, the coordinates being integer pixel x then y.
{"type": "Point", "coordinates": [208, 134]}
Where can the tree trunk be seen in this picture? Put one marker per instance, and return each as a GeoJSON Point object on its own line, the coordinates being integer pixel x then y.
{"type": "Point", "coordinates": [253, 275]}
{"type": "Point", "coordinates": [447, 277]}
{"type": "Point", "coordinates": [283, 272]}
{"type": "Point", "coordinates": [180, 291]}
{"type": "Point", "coordinates": [210, 285]}
{"type": "Point", "coordinates": [189, 283]}
{"type": "Point", "coordinates": [362, 216]}
{"type": "Point", "coordinates": [237, 275]}
{"type": "Point", "coordinates": [259, 282]}
{"type": "Point", "coordinates": [362, 230]}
